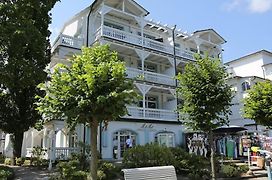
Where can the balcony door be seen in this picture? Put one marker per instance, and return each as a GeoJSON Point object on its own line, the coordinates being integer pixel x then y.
{"type": "Point", "coordinates": [119, 142]}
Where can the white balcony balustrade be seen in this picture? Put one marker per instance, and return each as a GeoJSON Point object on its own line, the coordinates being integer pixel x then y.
{"type": "Point", "coordinates": [135, 39]}
{"type": "Point", "coordinates": [67, 41]}
{"type": "Point", "coordinates": [64, 153]}
{"type": "Point", "coordinates": [150, 76]}
{"type": "Point", "coordinates": [152, 114]}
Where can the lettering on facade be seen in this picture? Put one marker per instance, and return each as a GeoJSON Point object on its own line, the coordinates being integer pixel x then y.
{"type": "Point", "coordinates": [147, 126]}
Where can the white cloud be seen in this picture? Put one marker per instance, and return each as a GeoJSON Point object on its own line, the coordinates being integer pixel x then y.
{"type": "Point", "coordinates": [252, 6]}
{"type": "Point", "coordinates": [260, 6]}
{"type": "Point", "coordinates": [232, 5]}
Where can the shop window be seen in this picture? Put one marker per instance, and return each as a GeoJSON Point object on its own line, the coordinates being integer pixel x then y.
{"type": "Point", "coordinates": [165, 139]}
{"type": "Point", "coordinates": [245, 86]}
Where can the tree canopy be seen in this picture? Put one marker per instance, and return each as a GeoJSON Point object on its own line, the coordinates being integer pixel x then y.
{"type": "Point", "coordinates": [24, 54]}
{"type": "Point", "coordinates": [205, 94]}
{"type": "Point", "coordinates": [206, 98]}
{"type": "Point", "coordinates": [258, 103]}
{"type": "Point", "coordinates": [92, 89]}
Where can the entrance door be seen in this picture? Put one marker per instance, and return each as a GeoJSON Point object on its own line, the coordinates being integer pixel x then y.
{"type": "Point", "coordinates": [119, 142]}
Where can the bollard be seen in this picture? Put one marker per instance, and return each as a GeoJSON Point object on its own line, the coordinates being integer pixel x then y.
{"type": "Point", "coordinates": [267, 162]}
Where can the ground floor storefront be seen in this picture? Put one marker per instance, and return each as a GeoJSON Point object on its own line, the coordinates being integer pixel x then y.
{"type": "Point", "coordinates": [59, 142]}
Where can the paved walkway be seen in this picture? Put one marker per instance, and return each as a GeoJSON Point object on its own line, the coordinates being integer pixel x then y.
{"type": "Point", "coordinates": [33, 173]}
{"type": "Point", "coordinates": [30, 173]}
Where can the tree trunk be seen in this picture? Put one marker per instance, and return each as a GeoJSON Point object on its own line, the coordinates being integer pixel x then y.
{"type": "Point", "coordinates": [211, 143]}
{"type": "Point", "coordinates": [94, 160]}
{"type": "Point", "coordinates": [17, 141]}
{"type": "Point", "coordinates": [17, 144]}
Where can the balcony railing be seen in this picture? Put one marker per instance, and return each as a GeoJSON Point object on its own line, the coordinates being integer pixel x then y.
{"type": "Point", "coordinates": [152, 114]}
{"type": "Point", "coordinates": [137, 40]}
{"type": "Point", "coordinates": [150, 76]}
{"type": "Point", "coordinates": [64, 153]}
{"type": "Point", "coordinates": [68, 41]}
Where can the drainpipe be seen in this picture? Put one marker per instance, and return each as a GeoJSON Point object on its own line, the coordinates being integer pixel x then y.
{"type": "Point", "coordinates": [174, 50]}
{"type": "Point", "coordinates": [88, 24]}
{"type": "Point", "coordinates": [175, 61]}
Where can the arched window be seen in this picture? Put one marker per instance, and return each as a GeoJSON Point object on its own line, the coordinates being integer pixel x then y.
{"type": "Point", "coordinates": [166, 139]}
{"type": "Point", "coordinates": [245, 86]}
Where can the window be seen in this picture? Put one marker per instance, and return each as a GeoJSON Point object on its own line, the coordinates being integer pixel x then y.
{"type": "Point", "coordinates": [193, 50]}
{"type": "Point", "coordinates": [166, 139]}
{"type": "Point", "coordinates": [115, 26]}
{"type": "Point", "coordinates": [148, 67]}
{"type": "Point", "coordinates": [147, 36]}
{"type": "Point", "coordinates": [245, 86]}
{"type": "Point", "coordinates": [150, 102]}
{"type": "Point", "coordinates": [177, 45]}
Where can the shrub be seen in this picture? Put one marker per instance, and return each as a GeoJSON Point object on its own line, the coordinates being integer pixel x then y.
{"type": "Point", "coordinates": [198, 166]}
{"type": "Point", "coordinates": [2, 159]}
{"type": "Point", "coordinates": [6, 173]}
{"type": "Point", "coordinates": [19, 161]}
{"type": "Point", "coordinates": [148, 155]}
{"type": "Point", "coordinates": [27, 162]}
{"type": "Point", "coordinates": [101, 175]}
{"type": "Point", "coordinates": [109, 171]}
{"type": "Point", "coordinates": [230, 170]}
{"type": "Point", "coordinates": [37, 156]}
{"type": "Point", "coordinates": [243, 168]}
{"type": "Point", "coordinates": [7, 161]}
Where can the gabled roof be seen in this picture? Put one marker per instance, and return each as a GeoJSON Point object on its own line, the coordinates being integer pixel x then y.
{"type": "Point", "coordinates": [118, 1]}
{"type": "Point", "coordinates": [263, 51]}
{"type": "Point", "coordinates": [240, 77]}
{"type": "Point", "coordinates": [212, 31]}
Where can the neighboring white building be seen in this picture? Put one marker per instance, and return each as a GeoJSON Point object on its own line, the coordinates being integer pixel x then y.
{"type": "Point", "coordinates": [147, 48]}
{"type": "Point", "coordinates": [244, 73]}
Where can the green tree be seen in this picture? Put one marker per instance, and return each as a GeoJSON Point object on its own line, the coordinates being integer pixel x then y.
{"type": "Point", "coordinates": [206, 98]}
{"type": "Point", "coordinates": [91, 90]}
{"type": "Point", "coordinates": [258, 103]}
{"type": "Point", "coordinates": [24, 54]}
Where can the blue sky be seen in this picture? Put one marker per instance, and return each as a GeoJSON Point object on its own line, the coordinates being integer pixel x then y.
{"type": "Point", "coordinates": [245, 24]}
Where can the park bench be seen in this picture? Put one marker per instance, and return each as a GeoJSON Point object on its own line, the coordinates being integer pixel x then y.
{"type": "Point", "coordinates": [151, 173]}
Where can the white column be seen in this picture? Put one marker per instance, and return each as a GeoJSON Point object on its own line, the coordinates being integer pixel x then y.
{"type": "Point", "coordinates": [144, 90]}
{"type": "Point", "coordinates": [52, 148]}
{"type": "Point", "coordinates": [142, 55]}
{"type": "Point", "coordinates": [44, 138]}
{"type": "Point", "coordinates": [198, 43]}
{"type": "Point", "coordinates": [32, 139]}
{"type": "Point", "coordinates": [123, 6]}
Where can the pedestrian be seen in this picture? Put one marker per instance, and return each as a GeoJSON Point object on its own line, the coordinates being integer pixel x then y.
{"type": "Point", "coordinates": [128, 142]}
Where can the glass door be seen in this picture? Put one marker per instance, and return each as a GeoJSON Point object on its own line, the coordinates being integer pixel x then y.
{"type": "Point", "coordinates": [120, 140]}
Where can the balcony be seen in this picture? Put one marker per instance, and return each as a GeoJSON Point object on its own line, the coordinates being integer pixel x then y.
{"type": "Point", "coordinates": [151, 114]}
{"type": "Point", "coordinates": [67, 41]}
{"type": "Point", "coordinates": [134, 39]}
{"type": "Point", "coordinates": [64, 153]}
{"type": "Point", "coordinates": [150, 76]}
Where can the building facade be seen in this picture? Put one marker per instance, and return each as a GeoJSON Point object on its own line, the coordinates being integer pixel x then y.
{"type": "Point", "coordinates": [244, 73]}
{"type": "Point", "coordinates": [154, 54]}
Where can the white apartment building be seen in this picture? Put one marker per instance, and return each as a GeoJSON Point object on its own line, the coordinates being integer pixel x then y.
{"type": "Point", "coordinates": [244, 73]}
{"type": "Point", "coordinates": [147, 48]}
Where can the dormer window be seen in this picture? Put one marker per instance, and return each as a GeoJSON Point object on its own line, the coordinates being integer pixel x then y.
{"type": "Point", "coordinates": [245, 86]}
